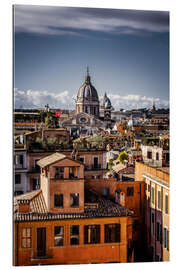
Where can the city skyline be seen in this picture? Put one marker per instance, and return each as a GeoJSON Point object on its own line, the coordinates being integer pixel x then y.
{"type": "Point", "coordinates": [127, 52]}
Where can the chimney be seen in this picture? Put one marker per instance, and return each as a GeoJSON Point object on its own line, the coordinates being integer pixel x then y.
{"type": "Point", "coordinates": [122, 198]}
{"type": "Point", "coordinates": [23, 206]}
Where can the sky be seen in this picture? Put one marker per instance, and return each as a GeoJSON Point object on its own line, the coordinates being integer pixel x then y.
{"type": "Point", "coordinates": [127, 52]}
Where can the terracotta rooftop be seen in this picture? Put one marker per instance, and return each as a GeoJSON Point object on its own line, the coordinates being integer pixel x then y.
{"type": "Point", "coordinates": [50, 159]}
{"type": "Point", "coordinates": [104, 208]}
{"type": "Point", "coordinates": [37, 203]}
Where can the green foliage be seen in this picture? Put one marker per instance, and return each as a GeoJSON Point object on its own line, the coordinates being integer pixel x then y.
{"type": "Point", "coordinates": [122, 157]}
{"type": "Point", "coordinates": [110, 165]}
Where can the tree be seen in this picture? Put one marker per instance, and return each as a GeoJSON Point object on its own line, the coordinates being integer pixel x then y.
{"type": "Point", "coordinates": [122, 156]}
{"type": "Point", "coordinates": [110, 164]}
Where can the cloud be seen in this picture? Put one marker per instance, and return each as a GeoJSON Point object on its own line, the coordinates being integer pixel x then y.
{"type": "Point", "coordinates": [38, 99]}
{"type": "Point", "coordinates": [71, 21]}
{"type": "Point", "coordinates": [65, 100]}
{"type": "Point", "coordinates": [136, 101]}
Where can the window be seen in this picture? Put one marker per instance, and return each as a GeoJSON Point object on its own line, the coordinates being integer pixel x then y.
{"type": "Point", "coordinates": [92, 234]}
{"type": "Point", "coordinates": [149, 154]}
{"type": "Point", "coordinates": [157, 156]}
{"type": "Point", "coordinates": [18, 192]}
{"type": "Point", "coordinates": [159, 199]}
{"type": "Point", "coordinates": [95, 164]}
{"type": "Point", "coordinates": [135, 225]}
{"type": "Point", "coordinates": [166, 204]}
{"type": "Point", "coordinates": [58, 236]}
{"type": "Point", "coordinates": [36, 166]}
{"type": "Point", "coordinates": [82, 159]}
{"type": "Point", "coordinates": [26, 238]}
{"type": "Point", "coordinates": [105, 191]}
{"type": "Point", "coordinates": [74, 200]}
{"type": "Point", "coordinates": [112, 233]}
{"type": "Point", "coordinates": [152, 195]}
{"type": "Point", "coordinates": [58, 200]}
{"type": "Point", "coordinates": [19, 159]}
{"type": "Point", "coordinates": [166, 238]}
{"type": "Point", "coordinates": [152, 221]}
{"type": "Point", "coordinates": [130, 191]}
{"type": "Point", "coordinates": [17, 179]}
{"type": "Point", "coordinates": [158, 232]}
{"type": "Point", "coordinates": [72, 173]}
{"type": "Point", "coordinates": [74, 235]}
{"type": "Point", "coordinates": [59, 173]}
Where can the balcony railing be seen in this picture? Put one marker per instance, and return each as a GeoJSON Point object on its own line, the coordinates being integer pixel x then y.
{"type": "Point", "coordinates": [93, 167]}
{"type": "Point", "coordinates": [72, 177]}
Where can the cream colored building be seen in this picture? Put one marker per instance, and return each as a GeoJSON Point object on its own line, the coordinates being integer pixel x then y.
{"type": "Point", "coordinates": [157, 209]}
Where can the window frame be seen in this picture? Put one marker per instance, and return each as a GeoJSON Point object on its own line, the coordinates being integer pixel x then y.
{"type": "Point", "coordinates": [74, 235]}
{"type": "Point", "coordinates": [158, 231]}
{"type": "Point", "coordinates": [166, 238]}
{"type": "Point", "coordinates": [159, 199]}
{"type": "Point", "coordinates": [26, 236]}
{"type": "Point", "coordinates": [166, 208]}
{"type": "Point", "coordinates": [19, 180]}
{"type": "Point", "coordinates": [149, 154]}
{"type": "Point", "coordinates": [152, 193]}
{"type": "Point", "coordinates": [130, 191]}
{"type": "Point", "coordinates": [152, 222]}
{"type": "Point", "coordinates": [73, 204]}
{"type": "Point", "coordinates": [59, 236]}
{"type": "Point", "coordinates": [109, 230]}
{"type": "Point", "coordinates": [88, 236]}
{"type": "Point", "coordinates": [61, 200]}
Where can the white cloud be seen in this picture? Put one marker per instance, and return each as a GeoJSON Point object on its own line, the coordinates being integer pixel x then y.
{"type": "Point", "coordinates": [65, 100]}
{"type": "Point", "coordinates": [38, 99]}
{"type": "Point", "coordinates": [136, 101]}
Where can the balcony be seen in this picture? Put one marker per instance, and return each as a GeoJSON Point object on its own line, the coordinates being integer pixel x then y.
{"type": "Point", "coordinates": [60, 176]}
{"type": "Point", "coordinates": [93, 167]}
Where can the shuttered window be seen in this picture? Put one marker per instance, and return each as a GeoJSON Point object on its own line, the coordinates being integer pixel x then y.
{"type": "Point", "coordinates": [166, 204]}
{"type": "Point", "coordinates": [26, 238]}
{"type": "Point", "coordinates": [166, 238]}
{"type": "Point", "coordinates": [112, 233]}
{"type": "Point", "coordinates": [92, 234]}
{"type": "Point", "coordinates": [152, 195]}
{"type": "Point", "coordinates": [159, 199]}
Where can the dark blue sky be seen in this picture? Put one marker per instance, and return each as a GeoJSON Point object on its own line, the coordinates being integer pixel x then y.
{"type": "Point", "coordinates": [127, 53]}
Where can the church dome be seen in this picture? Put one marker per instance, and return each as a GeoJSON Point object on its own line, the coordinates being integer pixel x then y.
{"type": "Point", "coordinates": [87, 91]}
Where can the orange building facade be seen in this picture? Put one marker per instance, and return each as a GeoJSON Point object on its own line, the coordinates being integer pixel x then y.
{"type": "Point", "coordinates": [28, 251]}
{"type": "Point", "coordinates": [68, 222]}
